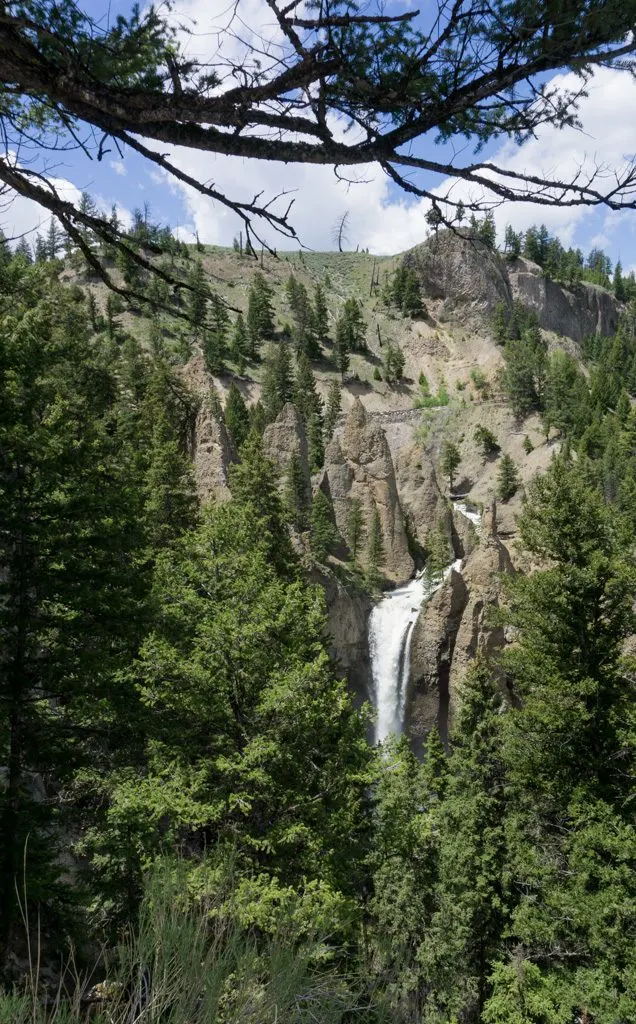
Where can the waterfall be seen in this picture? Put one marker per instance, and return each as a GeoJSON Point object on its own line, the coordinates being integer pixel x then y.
{"type": "Point", "coordinates": [390, 631]}
{"type": "Point", "coordinates": [391, 625]}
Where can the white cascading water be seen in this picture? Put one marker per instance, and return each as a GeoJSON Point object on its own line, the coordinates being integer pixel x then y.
{"type": "Point", "coordinates": [390, 630]}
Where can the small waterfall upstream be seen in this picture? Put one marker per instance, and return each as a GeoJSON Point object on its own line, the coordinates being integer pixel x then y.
{"type": "Point", "coordinates": [390, 630]}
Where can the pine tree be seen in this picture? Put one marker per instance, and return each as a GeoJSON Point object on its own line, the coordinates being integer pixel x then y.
{"type": "Point", "coordinates": [170, 501]}
{"type": "Point", "coordinates": [321, 314]}
{"type": "Point", "coordinates": [334, 404]}
{"type": "Point", "coordinates": [23, 250]}
{"type": "Point", "coordinates": [411, 304]}
{"type": "Point", "coordinates": [375, 550]}
{"type": "Point", "coordinates": [507, 478]}
{"type": "Point", "coordinates": [450, 460]}
{"type": "Point", "coordinates": [253, 482]}
{"type": "Point", "coordinates": [305, 396]}
{"type": "Point", "coordinates": [197, 297]}
{"type": "Point", "coordinates": [569, 761]}
{"type": "Point", "coordinates": [214, 343]}
{"type": "Point", "coordinates": [296, 498]}
{"type": "Point", "coordinates": [324, 533]}
{"type": "Point", "coordinates": [471, 911]}
{"type": "Point", "coordinates": [41, 249]}
{"type": "Point", "coordinates": [277, 381]}
{"type": "Point", "coordinates": [239, 344]}
{"type": "Point", "coordinates": [485, 440]}
{"type": "Point", "coordinates": [72, 597]}
{"type": "Point", "coordinates": [236, 416]}
{"type": "Point", "coordinates": [394, 361]}
{"type": "Point", "coordinates": [54, 239]}
{"type": "Point", "coordinates": [260, 313]}
{"type": "Point", "coordinates": [351, 328]}
{"type": "Point", "coordinates": [340, 350]}
{"type": "Point", "coordinates": [247, 726]}
{"type": "Point", "coordinates": [316, 449]}
{"type": "Point", "coordinates": [354, 526]}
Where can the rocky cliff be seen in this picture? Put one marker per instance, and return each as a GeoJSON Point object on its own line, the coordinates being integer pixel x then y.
{"type": "Point", "coordinates": [451, 629]}
{"type": "Point", "coordinates": [472, 280]}
{"type": "Point", "coordinates": [285, 437]}
{"type": "Point", "coordinates": [358, 464]}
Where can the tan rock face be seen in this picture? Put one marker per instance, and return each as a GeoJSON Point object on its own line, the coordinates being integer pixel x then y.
{"type": "Point", "coordinates": [482, 574]}
{"type": "Point", "coordinates": [359, 465]}
{"type": "Point", "coordinates": [453, 627]}
{"type": "Point", "coordinates": [212, 455]}
{"type": "Point", "coordinates": [285, 436]}
{"type": "Point", "coordinates": [432, 649]}
{"type": "Point", "coordinates": [577, 314]}
{"type": "Point", "coordinates": [347, 618]}
{"type": "Point", "coordinates": [420, 494]}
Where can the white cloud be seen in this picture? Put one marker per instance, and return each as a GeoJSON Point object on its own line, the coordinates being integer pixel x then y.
{"type": "Point", "coordinates": [378, 218]}
{"type": "Point", "coordinates": [119, 167]}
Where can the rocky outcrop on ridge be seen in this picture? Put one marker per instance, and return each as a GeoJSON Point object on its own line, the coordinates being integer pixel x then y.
{"type": "Point", "coordinates": [358, 465]}
{"type": "Point", "coordinates": [286, 436]}
{"type": "Point", "coordinates": [420, 494]}
{"type": "Point", "coordinates": [472, 280]}
{"type": "Point", "coordinates": [212, 454]}
{"type": "Point", "coordinates": [576, 314]}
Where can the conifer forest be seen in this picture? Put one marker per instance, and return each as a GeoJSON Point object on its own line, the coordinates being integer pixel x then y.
{"type": "Point", "coordinates": [317, 574]}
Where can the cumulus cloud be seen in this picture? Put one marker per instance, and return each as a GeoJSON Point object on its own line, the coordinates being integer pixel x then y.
{"type": "Point", "coordinates": [379, 217]}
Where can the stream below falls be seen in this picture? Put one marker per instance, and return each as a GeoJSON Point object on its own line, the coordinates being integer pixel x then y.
{"type": "Point", "coordinates": [390, 630]}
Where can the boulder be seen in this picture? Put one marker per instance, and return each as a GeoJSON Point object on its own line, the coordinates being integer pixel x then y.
{"type": "Point", "coordinates": [359, 465]}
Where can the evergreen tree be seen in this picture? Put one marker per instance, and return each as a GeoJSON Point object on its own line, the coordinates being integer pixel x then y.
{"type": "Point", "coordinates": [375, 550]}
{"type": "Point", "coordinates": [54, 239]}
{"type": "Point", "coordinates": [247, 726]}
{"type": "Point", "coordinates": [296, 498]}
{"type": "Point", "coordinates": [354, 526]}
{"type": "Point", "coordinates": [41, 249]}
{"type": "Point", "coordinates": [315, 443]}
{"type": "Point", "coordinates": [513, 242]}
{"type": "Point", "coordinates": [507, 478]}
{"type": "Point", "coordinates": [214, 343]}
{"type": "Point", "coordinates": [304, 319]}
{"type": "Point", "coordinates": [197, 297]}
{"type": "Point", "coordinates": [411, 304]}
{"type": "Point", "coordinates": [324, 533]}
{"type": "Point", "coordinates": [277, 380]}
{"type": "Point", "coordinates": [71, 594]}
{"type": "Point", "coordinates": [471, 910]}
{"type": "Point", "coordinates": [321, 314]}
{"type": "Point", "coordinates": [394, 361]}
{"type": "Point", "coordinates": [618, 285]}
{"type": "Point", "coordinates": [253, 482]}
{"type": "Point", "coordinates": [23, 250]}
{"type": "Point", "coordinates": [334, 404]}
{"type": "Point", "coordinates": [485, 440]}
{"type": "Point", "coordinates": [569, 762]}
{"type": "Point", "coordinates": [351, 328]}
{"type": "Point", "coordinates": [170, 500]}
{"type": "Point", "coordinates": [340, 350]}
{"type": "Point", "coordinates": [260, 313]}
{"type": "Point", "coordinates": [404, 866]}
{"type": "Point", "coordinates": [239, 344]}
{"type": "Point", "coordinates": [450, 460]}
{"type": "Point", "coordinates": [305, 396]}
{"type": "Point", "coordinates": [236, 416]}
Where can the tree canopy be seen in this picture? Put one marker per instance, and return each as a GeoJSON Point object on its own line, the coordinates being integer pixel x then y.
{"type": "Point", "coordinates": [71, 79]}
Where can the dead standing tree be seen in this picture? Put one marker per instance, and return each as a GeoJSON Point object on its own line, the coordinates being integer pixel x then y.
{"type": "Point", "coordinates": [480, 71]}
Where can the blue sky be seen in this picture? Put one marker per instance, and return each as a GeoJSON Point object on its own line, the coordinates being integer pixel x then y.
{"type": "Point", "coordinates": [381, 216]}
